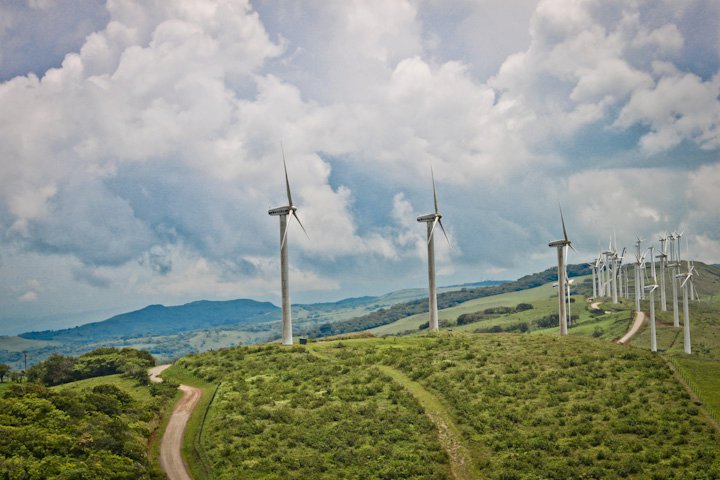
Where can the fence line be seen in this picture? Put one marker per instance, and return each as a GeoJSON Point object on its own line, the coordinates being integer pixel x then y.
{"type": "Point", "coordinates": [693, 386]}
{"type": "Point", "coordinates": [197, 441]}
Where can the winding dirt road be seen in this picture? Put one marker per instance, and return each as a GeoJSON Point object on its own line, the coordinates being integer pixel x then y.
{"type": "Point", "coordinates": [171, 459]}
{"type": "Point", "coordinates": [639, 319]}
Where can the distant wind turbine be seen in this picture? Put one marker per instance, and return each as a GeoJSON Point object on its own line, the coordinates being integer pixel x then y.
{"type": "Point", "coordinates": [432, 220]}
{"type": "Point", "coordinates": [663, 262]}
{"type": "Point", "coordinates": [675, 265]}
{"type": "Point", "coordinates": [283, 212]}
{"type": "Point", "coordinates": [686, 282]}
{"type": "Point", "coordinates": [560, 245]}
{"type": "Point", "coordinates": [651, 290]}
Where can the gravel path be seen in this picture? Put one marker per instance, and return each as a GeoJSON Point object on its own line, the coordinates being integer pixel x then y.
{"type": "Point", "coordinates": [639, 319]}
{"type": "Point", "coordinates": [171, 459]}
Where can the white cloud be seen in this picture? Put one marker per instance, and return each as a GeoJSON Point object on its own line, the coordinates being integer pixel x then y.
{"type": "Point", "coordinates": [148, 159]}
{"type": "Point", "coordinates": [28, 297]}
{"type": "Point", "coordinates": [680, 107]}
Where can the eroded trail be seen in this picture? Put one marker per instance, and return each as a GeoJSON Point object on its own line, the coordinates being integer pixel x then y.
{"type": "Point", "coordinates": [448, 433]}
{"type": "Point", "coordinates": [171, 459]}
{"type": "Point", "coordinates": [639, 319]}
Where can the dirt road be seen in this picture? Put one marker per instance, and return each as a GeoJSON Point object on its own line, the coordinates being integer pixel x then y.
{"type": "Point", "coordinates": [171, 459]}
{"type": "Point", "coordinates": [639, 319]}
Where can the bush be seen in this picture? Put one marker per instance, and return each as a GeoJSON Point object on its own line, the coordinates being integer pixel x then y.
{"type": "Point", "coordinates": [521, 307]}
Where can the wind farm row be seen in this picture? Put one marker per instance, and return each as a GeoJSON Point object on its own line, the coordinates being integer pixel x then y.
{"type": "Point", "coordinates": [611, 279]}
{"type": "Point", "coordinates": [610, 276]}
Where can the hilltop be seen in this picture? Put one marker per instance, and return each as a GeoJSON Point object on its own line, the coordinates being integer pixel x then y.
{"type": "Point", "coordinates": [452, 405]}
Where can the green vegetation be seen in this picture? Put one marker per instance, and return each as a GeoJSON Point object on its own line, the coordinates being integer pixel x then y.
{"type": "Point", "coordinates": [96, 428]}
{"type": "Point", "coordinates": [522, 406]}
{"type": "Point", "coordinates": [446, 301]}
{"type": "Point", "coordinates": [287, 413]}
{"type": "Point", "coordinates": [103, 361]}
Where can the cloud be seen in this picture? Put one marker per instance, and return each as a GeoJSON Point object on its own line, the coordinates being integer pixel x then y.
{"type": "Point", "coordinates": [680, 107]}
{"type": "Point", "coordinates": [147, 157]}
{"type": "Point", "coordinates": [28, 297]}
{"type": "Point", "coordinates": [91, 278]}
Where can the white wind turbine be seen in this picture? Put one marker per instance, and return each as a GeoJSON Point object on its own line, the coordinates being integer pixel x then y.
{"type": "Point", "coordinates": [638, 263]}
{"type": "Point", "coordinates": [560, 245]}
{"type": "Point", "coordinates": [620, 274]}
{"type": "Point", "coordinates": [283, 212]}
{"type": "Point", "coordinates": [686, 281]}
{"type": "Point", "coordinates": [675, 265]}
{"type": "Point", "coordinates": [663, 261]}
{"type": "Point", "coordinates": [651, 290]}
{"type": "Point", "coordinates": [593, 269]}
{"type": "Point", "coordinates": [432, 220]}
{"type": "Point", "coordinates": [691, 269]}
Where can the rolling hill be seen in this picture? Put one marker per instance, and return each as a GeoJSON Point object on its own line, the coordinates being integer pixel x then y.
{"type": "Point", "coordinates": [453, 405]}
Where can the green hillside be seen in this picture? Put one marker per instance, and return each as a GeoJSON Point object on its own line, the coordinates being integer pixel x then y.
{"type": "Point", "coordinates": [512, 405]}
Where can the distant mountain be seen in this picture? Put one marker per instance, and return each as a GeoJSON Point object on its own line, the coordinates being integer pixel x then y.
{"type": "Point", "coordinates": [161, 320]}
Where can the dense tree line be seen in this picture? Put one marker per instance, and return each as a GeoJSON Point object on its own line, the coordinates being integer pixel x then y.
{"type": "Point", "coordinates": [58, 369]}
{"type": "Point", "coordinates": [88, 433]}
{"type": "Point", "coordinates": [445, 300]}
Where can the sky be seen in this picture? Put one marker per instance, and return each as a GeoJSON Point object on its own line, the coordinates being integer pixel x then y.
{"type": "Point", "coordinates": [140, 143]}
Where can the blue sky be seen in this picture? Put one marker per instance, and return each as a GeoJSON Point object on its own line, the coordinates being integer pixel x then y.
{"type": "Point", "coordinates": [140, 143]}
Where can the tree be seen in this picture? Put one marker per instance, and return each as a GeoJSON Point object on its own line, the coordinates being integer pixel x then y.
{"type": "Point", "coordinates": [4, 370]}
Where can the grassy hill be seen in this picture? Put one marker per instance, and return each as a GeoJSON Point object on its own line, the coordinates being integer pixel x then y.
{"type": "Point", "coordinates": [513, 405]}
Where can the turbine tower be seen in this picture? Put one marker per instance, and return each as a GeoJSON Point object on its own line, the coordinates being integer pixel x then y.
{"type": "Point", "coordinates": [673, 279]}
{"type": "Point", "coordinates": [653, 335]}
{"type": "Point", "coordinates": [283, 212]}
{"type": "Point", "coordinates": [686, 277]}
{"type": "Point", "coordinates": [432, 220]}
{"type": "Point", "coordinates": [560, 245]}
{"type": "Point", "coordinates": [663, 261]}
{"type": "Point", "coordinates": [593, 269]}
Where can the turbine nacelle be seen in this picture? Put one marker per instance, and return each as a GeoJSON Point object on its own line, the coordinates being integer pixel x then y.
{"type": "Point", "coordinates": [288, 210]}
{"type": "Point", "coordinates": [559, 243]}
{"type": "Point", "coordinates": [430, 217]}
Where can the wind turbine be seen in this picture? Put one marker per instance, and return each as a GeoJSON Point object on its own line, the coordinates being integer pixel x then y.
{"type": "Point", "coordinates": [663, 261]}
{"type": "Point", "coordinates": [686, 277]}
{"type": "Point", "coordinates": [651, 290]}
{"type": "Point", "coordinates": [673, 278]}
{"type": "Point", "coordinates": [283, 212]}
{"type": "Point", "coordinates": [638, 263]}
{"type": "Point", "coordinates": [620, 273]}
{"type": "Point", "coordinates": [593, 269]}
{"type": "Point", "coordinates": [560, 245]}
{"type": "Point", "coordinates": [432, 220]}
{"type": "Point", "coordinates": [653, 335]}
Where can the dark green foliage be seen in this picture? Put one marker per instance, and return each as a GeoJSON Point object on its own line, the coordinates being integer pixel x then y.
{"type": "Point", "coordinates": [4, 371]}
{"type": "Point", "coordinates": [498, 310]}
{"type": "Point", "coordinates": [287, 413]}
{"type": "Point", "coordinates": [552, 320]}
{"type": "Point", "coordinates": [59, 369]}
{"type": "Point", "coordinates": [98, 433]}
{"type": "Point", "coordinates": [528, 406]}
{"type": "Point", "coordinates": [521, 307]}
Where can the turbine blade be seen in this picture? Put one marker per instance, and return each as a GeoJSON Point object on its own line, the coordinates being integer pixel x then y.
{"type": "Point", "coordinates": [563, 223]}
{"type": "Point", "coordinates": [432, 230]}
{"type": "Point", "coordinates": [682, 285]}
{"type": "Point", "coordinates": [432, 175]}
{"type": "Point", "coordinates": [443, 230]}
{"type": "Point", "coordinates": [282, 243]}
{"type": "Point", "coordinates": [287, 181]}
{"type": "Point", "coordinates": [300, 223]}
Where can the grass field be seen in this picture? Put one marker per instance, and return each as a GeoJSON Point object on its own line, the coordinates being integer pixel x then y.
{"type": "Point", "coordinates": [523, 406]}
{"type": "Point", "coordinates": [533, 295]}
{"type": "Point", "coordinates": [140, 393]}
